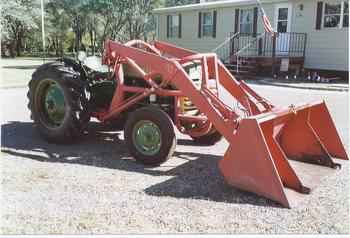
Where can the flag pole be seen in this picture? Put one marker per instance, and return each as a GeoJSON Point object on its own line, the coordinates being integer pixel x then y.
{"type": "Point", "coordinates": [43, 29]}
{"type": "Point", "coordinates": [261, 7]}
{"type": "Point", "coordinates": [266, 22]}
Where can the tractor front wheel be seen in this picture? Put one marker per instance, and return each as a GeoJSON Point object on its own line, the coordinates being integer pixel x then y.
{"type": "Point", "coordinates": [150, 136]}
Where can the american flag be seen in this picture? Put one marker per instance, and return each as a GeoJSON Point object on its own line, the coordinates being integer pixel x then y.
{"type": "Point", "coordinates": [267, 25]}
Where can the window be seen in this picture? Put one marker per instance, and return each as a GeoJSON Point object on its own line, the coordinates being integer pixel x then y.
{"type": "Point", "coordinates": [336, 15]}
{"type": "Point", "coordinates": [332, 14]}
{"type": "Point", "coordinates": [282, 20]}
{"type": "Point", "coordinates": [174, 25]}
{"type": "Point", "coordinates": [246, 21]}
{"type": "Point", "coordinates": [207, 26]}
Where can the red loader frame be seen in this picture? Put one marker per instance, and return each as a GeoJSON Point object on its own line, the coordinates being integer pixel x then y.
{"type": "Point", "coordinates": [260, 142]}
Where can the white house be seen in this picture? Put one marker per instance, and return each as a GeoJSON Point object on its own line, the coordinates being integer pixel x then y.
{"type": "Point", "coordinates": [316, 31]}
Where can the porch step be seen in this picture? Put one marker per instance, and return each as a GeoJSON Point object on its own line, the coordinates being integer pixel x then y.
{"type": "Point", "coordinates": [243, 74]}
{"type": "Point", "coordinates": [240, 66]}
{"type": "Point", "coordinates": [247, 68]}
{"type": "Point", "coordinates": [240, 77]}
{"type": "Point", "coordinates": [247, 61]}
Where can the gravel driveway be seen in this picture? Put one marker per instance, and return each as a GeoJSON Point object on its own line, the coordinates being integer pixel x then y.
{"type": "Point", "coordinates": [95, 187]}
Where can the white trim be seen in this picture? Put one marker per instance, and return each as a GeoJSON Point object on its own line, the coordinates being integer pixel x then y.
{"type": "Point", "coordinates": [158, 30]}
{"type": "Point", "coordinates": [171, 27]}
{"type": "Point", "coordinates": [341, 15]}
{"type": "Point", "coordinates": [282, 42]}
{"type": "Point", "coordinates": [214, 4]}
{"type": "Point", "coordinates": [240, 14]}
{"type": "Point", "coordinates": [43, 26]}
{"type": "Point", "coordinates": [212, 23]}
{"type": "Point", "coordinates": [289, 20]}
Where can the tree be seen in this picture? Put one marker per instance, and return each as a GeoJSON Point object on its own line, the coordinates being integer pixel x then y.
{"type": "Point", "coordinates": [171, 3]}
{"type": "Point", "coordinates": [139, 18]}
{"type": "Point", "coordinates": [98, 18]}
{"type": "Point", "coordinates": [18, 18]}
{"type": "Point", "coordinates": [74, 24]}
{"type": "Point", "coordinates": [114, 19]}
{"type": "Point", "coordinates": [75, 11]}
{"type": "Point", "coordinates": [57, 27]}
{"type": "Point", "coordinates": [105, 19]}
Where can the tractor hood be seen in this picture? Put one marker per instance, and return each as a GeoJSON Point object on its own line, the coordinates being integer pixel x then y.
{"type": "Point", "coordinates": [95, 63]}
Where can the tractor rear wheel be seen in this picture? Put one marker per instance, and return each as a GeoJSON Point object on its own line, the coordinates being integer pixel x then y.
{"type": "Point", "coordinates": [150, 136]}
{"type": "Point", "coordinates": [58, 102]}
{"type": "Point", "coordinates": [209, 139]}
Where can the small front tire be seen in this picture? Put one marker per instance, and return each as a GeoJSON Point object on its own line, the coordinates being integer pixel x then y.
{"type": "Point", "coordinates": [150, 136]}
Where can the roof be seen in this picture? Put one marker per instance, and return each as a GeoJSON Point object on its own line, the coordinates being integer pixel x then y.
{"type": "Point", "coordinates": [207, 5]}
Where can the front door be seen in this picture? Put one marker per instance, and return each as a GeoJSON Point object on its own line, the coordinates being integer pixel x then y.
{"type": "Point", "coordinates": [283, 13]}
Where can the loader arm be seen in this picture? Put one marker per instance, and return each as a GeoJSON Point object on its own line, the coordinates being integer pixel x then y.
{"type": "Point", "coordinates": [239, 90]}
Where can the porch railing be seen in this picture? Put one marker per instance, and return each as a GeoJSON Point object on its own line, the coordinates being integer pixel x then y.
{"type": "Point", "coordinates": [289, 44]}
{"type": "Point", "coordinates": [249, 45]}
{"type": "Point", "coordinates": [224, 50]}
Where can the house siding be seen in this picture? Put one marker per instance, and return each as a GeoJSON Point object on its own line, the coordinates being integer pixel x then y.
{"type": "Point", "coordinates": [325, 49]}
{"type": "Point", "coordinates": [190, 39]}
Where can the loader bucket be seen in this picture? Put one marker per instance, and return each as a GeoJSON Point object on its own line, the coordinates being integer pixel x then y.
{"type": "Point", "coordinates": [283, 154]}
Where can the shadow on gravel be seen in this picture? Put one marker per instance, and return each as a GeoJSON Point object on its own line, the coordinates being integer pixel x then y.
{"type": "Point", "coordinates": [21, 67]}
{"type": "Point", "coordinates": [198, 178]}
{"type": "Point", "coordinates": [188, 142]}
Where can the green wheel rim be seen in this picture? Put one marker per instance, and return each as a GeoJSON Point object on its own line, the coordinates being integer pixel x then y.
{"type": "Point", "coordinates": [53, 104]}
{"type": "Point", "coordinates": [147, 137]}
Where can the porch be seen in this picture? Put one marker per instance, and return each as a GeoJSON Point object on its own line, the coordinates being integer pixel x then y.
{"type": "Point", "coordinates": [249, 53]}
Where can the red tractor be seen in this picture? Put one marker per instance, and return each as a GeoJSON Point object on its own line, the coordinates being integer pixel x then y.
{"type": "Point", "coordinates": [151, 88]}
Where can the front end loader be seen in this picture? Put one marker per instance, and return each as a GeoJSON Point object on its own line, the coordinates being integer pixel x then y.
{"type": "Point", "coordinates": [279, 153]}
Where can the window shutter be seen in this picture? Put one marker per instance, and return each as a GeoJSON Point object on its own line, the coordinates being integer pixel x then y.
{"type": "Point", "coordinates": [199, 25]}
{"type": "Point", "coordinates": [180, 25]}
{"type": "Point", "coordinates": [167, 25]}
{"type": "Point", "coordinates": [214, 24]}
{"type": "Point", "coordinates": [236, 20]}
{"type": "Point", "coordinates": [255, 22]}
{"type": "Point", "coordinates": [319, 15]}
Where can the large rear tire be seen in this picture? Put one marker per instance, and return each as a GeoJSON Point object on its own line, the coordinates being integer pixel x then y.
{"type": "Point", "coordinates": [58, 102]}
{"type": "Point", "coordinates": [150, 136]}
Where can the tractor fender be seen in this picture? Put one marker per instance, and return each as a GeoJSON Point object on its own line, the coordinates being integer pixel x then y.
{"type": "Point", "coordinates": [73, 63]}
